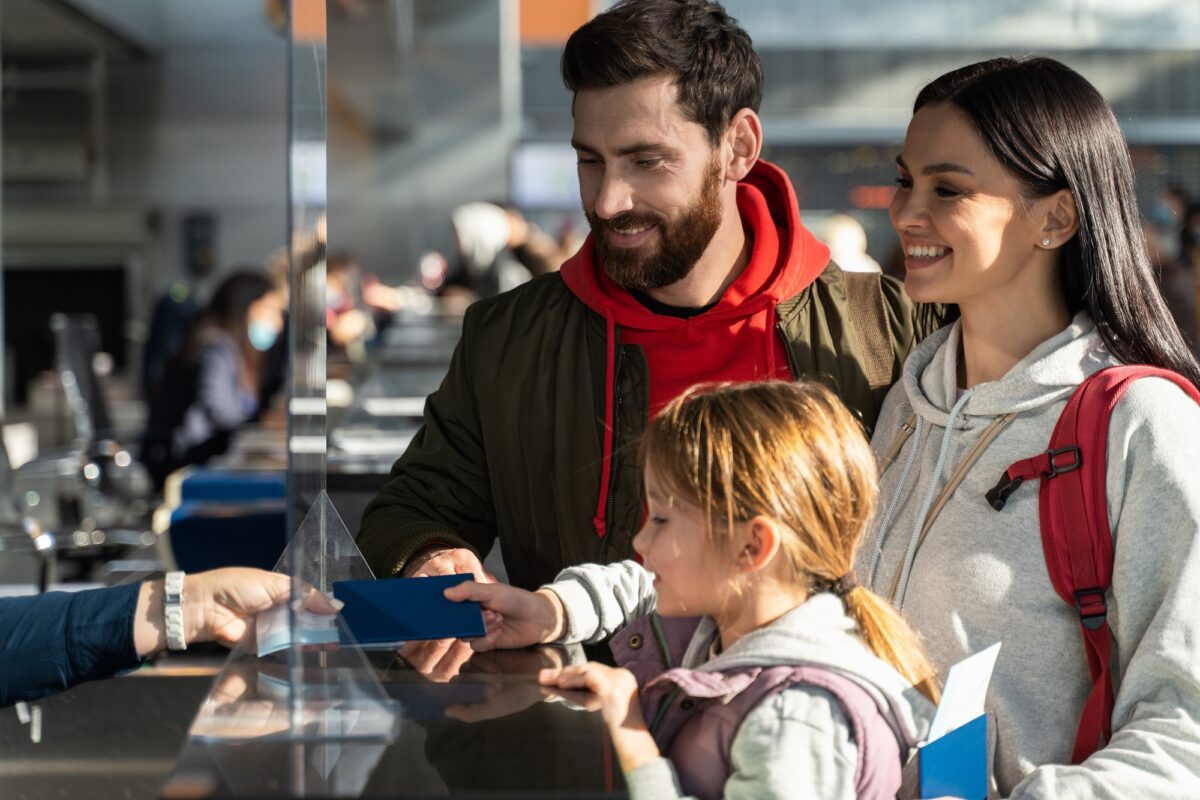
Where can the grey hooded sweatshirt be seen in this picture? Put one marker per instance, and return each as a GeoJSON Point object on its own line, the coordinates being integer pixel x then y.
{"type": "Point", "coordinates": [797, 743]}
{"type": "Point", "coordinates": [980, 575]}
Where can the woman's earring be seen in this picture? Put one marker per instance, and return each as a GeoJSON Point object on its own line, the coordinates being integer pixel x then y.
{"type": "Point", "coordinates": [1045, 242]}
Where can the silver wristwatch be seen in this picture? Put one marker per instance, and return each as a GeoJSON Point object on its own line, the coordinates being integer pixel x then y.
{"type": "Point", "coordinates": [173, 611]}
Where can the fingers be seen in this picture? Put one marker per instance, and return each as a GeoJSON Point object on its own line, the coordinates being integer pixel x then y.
{"type": "Point", "coordinates": [439, 660]}
{"type": "Point", "coordinates": [320, 603]}
{"type": "Point", "coordinates": [467, 590]}
{"type": "Point", "coordinates": [588, 701]}
{"type": "Point", "coordinates": [578, 677]}
{"type": "Point", "coordinates": [488, 642]}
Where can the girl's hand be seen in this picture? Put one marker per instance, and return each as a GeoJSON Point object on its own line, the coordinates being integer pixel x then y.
{"type": "Point", "coordinates": [514, 617]}
{"type": "Point", "coordinates": [616, 693]}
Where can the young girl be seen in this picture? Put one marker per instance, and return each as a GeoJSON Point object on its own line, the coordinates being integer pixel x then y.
{"type": "Point", "coordinates": [757, 666]}
{"type": "Point", "coordinates": [1016, 205]}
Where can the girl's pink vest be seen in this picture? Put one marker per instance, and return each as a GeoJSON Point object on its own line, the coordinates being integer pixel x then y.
{"type": "Point", "coordinates": [694, 716]}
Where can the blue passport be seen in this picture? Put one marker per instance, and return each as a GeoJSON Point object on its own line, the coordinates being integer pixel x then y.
{"type": "Point", "coordinates": [393, 610]}
{"type": "Point", "coordinates": [956, 764]}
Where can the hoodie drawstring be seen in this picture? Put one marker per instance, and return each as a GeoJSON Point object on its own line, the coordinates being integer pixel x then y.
{"type": "Point", "coordinates": [911, 555]}
{"type": "Point", "coordinates": [894, 503]}
{"type": "Point", "coordinates": [599, 522]}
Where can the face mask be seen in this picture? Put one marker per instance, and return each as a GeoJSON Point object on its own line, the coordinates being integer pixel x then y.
{"type": "Point", "coordinates": [262, 335]}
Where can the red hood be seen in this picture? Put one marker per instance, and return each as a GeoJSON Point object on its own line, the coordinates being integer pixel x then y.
{"type": "Point", "coordinates": [785, 259]}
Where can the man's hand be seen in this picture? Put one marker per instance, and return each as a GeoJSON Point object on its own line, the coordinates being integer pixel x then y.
{"type": "Point", "coordinates": [447, 561]}
{"type": "Point", "coordinates": [439, 660]}
{"type": "Point", "coordinates": [616, 693]}
{"type": "Point", "coordinates": [514, 617]}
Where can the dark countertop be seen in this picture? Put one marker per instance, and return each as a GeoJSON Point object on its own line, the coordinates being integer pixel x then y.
{"type": "Point", "coordinates": [117, 738]}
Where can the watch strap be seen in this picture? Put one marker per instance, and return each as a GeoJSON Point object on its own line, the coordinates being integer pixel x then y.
{"type": "Point", "coordinates": [173, 611]}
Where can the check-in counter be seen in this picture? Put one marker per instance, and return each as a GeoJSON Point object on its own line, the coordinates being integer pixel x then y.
{"type": "Point", "coordinates": [487, 731]}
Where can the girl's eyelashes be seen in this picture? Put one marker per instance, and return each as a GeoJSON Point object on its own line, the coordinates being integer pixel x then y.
{"type": "Point", "coordinates": [659, 520]}
{"type": "Point", "coordinates": [903, 182]}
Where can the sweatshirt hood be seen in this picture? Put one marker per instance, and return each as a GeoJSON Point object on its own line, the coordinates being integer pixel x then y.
{"type": "Point", "coordinates": [785, 258]}
{"type": "Point", "coordinates": [820, 633]}
{"type": "Point", "coordinates": [1048, 374]}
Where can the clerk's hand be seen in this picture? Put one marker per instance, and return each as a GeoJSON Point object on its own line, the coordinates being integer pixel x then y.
{"type": "Point", "coordinates": [513, 617]}
{"type": "Point", "coordinates": [447, 561]}
{"type": "Point", "coordinates": [218, 606]}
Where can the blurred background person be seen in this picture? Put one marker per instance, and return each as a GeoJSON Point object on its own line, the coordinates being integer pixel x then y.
{"type": "Point", "coordinates": [347, 321]}
{"type": "Point", "coordinates": [847, 240]}
{"type": "Point", "coordinates": [498, 249]}
{"type": "Point", "coordinates": [213, 385]}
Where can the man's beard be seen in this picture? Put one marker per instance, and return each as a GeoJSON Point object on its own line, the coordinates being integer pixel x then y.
{"type": "Point", "coordinates": [680, 243]}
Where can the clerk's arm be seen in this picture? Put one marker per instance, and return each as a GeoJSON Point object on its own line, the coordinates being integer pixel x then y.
{"type": "Point", "coordinates": [51, 642]}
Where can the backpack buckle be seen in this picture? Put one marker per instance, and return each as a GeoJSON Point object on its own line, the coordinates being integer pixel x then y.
{"type": "Point", "coordinates": [1092, 607]}
{"type": "Point", "coordinates": [997, 496]}
{"type": "Point", "coordinates": [1057, 468]}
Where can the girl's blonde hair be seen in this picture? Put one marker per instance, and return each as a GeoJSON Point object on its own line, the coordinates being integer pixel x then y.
{"type": "Point", "coordinates": [791, 452]}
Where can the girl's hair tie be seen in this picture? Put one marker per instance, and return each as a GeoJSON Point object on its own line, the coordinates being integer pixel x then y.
{"type": "Point", "coordinates": [839, 587]}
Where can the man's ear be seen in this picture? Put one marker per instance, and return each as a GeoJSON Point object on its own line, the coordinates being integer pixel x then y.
{"type": "Point", "coordinates": [759, 542]}
{"type": "Point", "coordinates": [1062, 219]}
{"type": "Point", "coordinates": [743, 140]}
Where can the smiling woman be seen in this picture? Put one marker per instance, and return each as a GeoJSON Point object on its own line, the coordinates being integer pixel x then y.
{"type": "Point", "coordinates": [1015, 203]}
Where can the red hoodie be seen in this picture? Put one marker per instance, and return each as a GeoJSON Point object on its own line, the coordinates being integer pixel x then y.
{"type": "Point", "coordinates": [735, 340]}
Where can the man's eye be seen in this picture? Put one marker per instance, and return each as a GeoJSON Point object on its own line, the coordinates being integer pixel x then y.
{"type": "Point", "coordinates": [946, 191]}
{"type": "Point", "coordinates": [649, 163]}
{"type": "Point", "coordinates": [587, 162]}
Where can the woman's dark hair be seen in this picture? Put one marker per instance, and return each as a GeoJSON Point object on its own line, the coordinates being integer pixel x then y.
{"type": "Point", "coordinates": [1051, 129]}
{"type": "Point", "coordinates": [228, 306]}
{"type": "Point", "coordinates": [716, 71]}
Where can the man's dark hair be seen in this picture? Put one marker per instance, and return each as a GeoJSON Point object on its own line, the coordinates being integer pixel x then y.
{"type": "Point", "coordinates": [716, 71]}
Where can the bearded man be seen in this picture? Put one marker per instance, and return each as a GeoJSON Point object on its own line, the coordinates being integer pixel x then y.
{"type": "Point", "coordinates": [697, 269]}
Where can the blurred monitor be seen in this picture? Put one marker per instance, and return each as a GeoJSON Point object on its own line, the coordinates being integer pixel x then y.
{"type": "Point", "coordinates": [544, 177]}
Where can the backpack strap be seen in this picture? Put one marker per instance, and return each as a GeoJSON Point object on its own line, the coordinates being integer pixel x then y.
{"type": "Point", "coordinates": [868, 319]}
{"type": "Point", "coordinates": [1076, 537]}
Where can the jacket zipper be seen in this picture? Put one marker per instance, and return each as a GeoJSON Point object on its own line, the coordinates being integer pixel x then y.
{"type": "Point", "coordinates": [612, 467]}
{"type": "Point", "coordinates": [787, 351]}
{"type": "Point", "coordinates": [664, 650]}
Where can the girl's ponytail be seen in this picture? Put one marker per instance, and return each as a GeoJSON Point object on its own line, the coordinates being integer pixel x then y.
{"type": "Point", "coordinates": [891, 639]}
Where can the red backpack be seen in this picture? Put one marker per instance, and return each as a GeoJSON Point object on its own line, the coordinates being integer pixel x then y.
{"type": "Point", "coordinates": [1076, 536]}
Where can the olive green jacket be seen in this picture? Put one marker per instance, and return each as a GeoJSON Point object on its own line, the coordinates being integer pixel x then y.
{"type": "Point", "coordinates": [511, 445]}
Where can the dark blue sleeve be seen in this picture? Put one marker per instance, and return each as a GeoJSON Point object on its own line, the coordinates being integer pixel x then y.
{"type": "Point", "coordinates": [52, 641]}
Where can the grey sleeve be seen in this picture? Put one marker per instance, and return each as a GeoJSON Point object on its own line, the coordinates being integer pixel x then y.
{"type": "Point", "coordinates": [795, 744]}
{"type": "Point", "coordinates": [600, 599]}
{"type": "Point", "coordinates": [219, 385]}
{"type": "Point", "coordinates": [1154, 511]}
